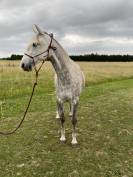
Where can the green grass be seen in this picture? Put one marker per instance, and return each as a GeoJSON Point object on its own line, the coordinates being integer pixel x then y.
{"type": "Point", "coordinates": [104, 130]}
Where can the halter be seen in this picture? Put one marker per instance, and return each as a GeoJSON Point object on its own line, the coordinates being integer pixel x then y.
{"type": "Point", "coordinates": [46, 51]}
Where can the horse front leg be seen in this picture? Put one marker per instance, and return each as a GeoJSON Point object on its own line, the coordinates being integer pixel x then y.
{"type": "Point", "coordinates": [74, 120]}
{"type": "Point", "coordinates": [62, 119]}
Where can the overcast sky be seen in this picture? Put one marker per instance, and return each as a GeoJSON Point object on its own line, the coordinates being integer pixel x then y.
{"type": "Point", "coordinates": [81, 26]}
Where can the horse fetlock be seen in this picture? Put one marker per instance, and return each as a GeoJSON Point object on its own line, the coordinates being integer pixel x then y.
{"type": "Point", "coordinates": [62, 139]}
{"type": "Point", "coordinates": [70, 114]}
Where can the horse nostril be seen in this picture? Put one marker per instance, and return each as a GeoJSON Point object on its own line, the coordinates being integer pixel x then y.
{"type": "Point", "coordinates": [22, 65]}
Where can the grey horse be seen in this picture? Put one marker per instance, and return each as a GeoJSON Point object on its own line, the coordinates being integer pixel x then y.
{"type": "Point", "coordinates": [69, 79]}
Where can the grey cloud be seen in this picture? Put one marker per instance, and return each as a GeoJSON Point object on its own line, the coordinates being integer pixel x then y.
{"type": "Point", "coordinates": [98, 19]}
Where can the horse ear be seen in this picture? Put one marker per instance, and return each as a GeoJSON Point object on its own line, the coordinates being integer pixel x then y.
{"type": "Point", "coordinates": [36, 29]}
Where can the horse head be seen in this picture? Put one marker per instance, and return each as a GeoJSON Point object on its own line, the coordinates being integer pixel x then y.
{"type": "Point", "coordinates": [37, 49]}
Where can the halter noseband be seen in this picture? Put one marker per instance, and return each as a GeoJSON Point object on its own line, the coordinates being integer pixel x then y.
{"type": "Point", "coordinates": [46, 51]}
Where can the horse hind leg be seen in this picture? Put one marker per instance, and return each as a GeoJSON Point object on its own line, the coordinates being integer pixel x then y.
{"type": "Point", "coordinates": [70, 109]}
{"type": "Point", "coordinates": [57, 111]}
{"type": "Point", "coordinates": [74, 121]}
{"type": "Point", "coordinates": [62, 119]}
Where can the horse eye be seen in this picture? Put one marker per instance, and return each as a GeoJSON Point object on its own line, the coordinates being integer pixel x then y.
{"type": "Point", "coordinates": [34, 45]}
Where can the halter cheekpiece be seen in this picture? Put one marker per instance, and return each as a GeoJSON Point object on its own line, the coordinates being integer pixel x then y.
{"type": "Point", "coordinates": [46, 51]}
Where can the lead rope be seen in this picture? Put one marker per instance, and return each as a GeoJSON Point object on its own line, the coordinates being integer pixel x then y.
{"type": "Point", "coordinates": [28, 105]}
{"type": "Point", "coordinates": [33, 90]}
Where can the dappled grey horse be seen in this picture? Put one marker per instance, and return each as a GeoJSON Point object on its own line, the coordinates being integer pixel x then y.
{"type": "Point", "coordinates": [69, 79]}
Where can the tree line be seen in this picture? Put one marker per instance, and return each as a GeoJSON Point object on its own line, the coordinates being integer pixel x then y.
{"type": "Point", "coordinates": [13, 57]}
{"type": "Point", "coordinates": [103, 58]}
{"type": "Point", "coordinates": [88, 57]}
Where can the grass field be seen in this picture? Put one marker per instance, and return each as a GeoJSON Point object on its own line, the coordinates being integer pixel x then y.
{"type": "Point", "coordinates": [105, 124]}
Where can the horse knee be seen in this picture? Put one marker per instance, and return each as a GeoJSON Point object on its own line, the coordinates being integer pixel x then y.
{"type": "Point", "coordinates": [74, 121]}
{"type": "Point", "coordinates": [62, 120]}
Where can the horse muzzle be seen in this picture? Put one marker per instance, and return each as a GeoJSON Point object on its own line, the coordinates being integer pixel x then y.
{"type": "Point", "coordinates": [26, 67]}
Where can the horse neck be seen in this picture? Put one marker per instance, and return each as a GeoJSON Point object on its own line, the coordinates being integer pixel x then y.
{"type": "Point", "coordinates": [60, 59]}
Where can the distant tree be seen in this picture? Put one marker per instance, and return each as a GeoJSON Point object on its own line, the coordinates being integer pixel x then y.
{"type": "Point", "coordinates": [16, 57]}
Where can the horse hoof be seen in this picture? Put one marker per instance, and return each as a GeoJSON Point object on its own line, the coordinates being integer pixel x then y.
{"type": "Point", "coordinates": [62, 141]}
{"type": "Point", "coordinates": [74, 145]}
